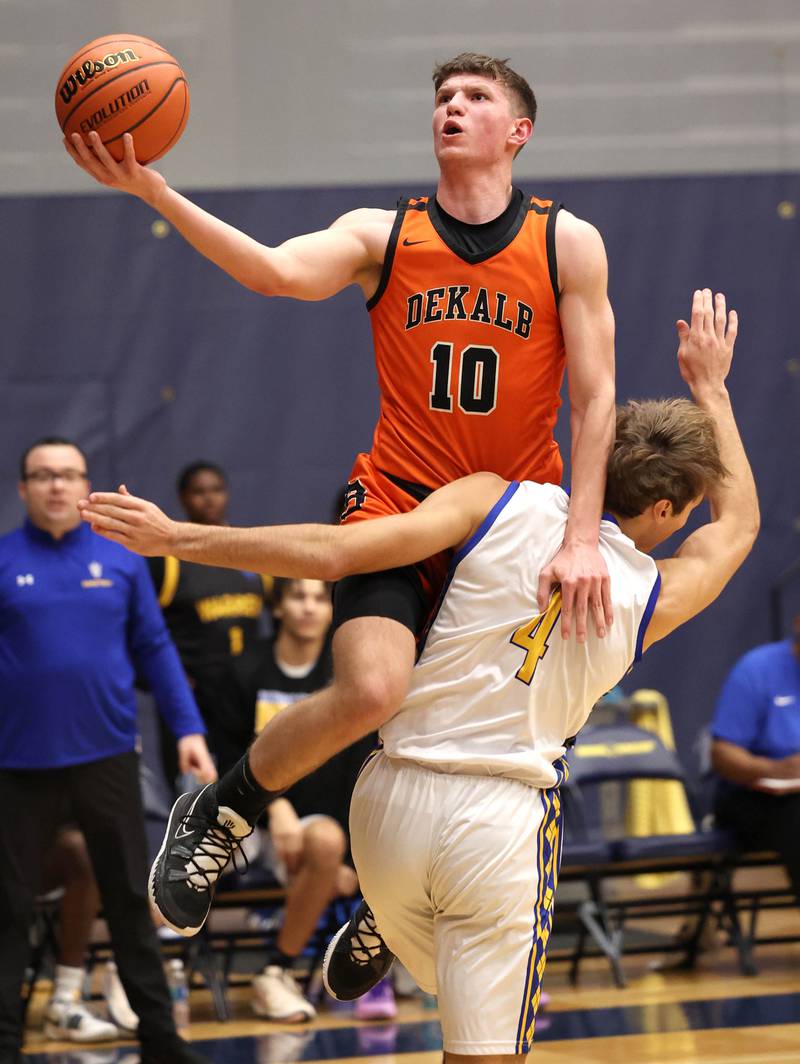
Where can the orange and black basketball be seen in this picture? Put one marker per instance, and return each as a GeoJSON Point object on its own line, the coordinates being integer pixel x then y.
{"type": "Point", "coordinates": [124, 84]}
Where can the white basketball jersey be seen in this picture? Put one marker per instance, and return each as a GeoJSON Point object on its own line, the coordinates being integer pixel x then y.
{"type": "Point", "coordinates": [497, 690]}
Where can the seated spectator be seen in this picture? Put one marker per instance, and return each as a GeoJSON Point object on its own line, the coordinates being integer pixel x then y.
{"type": "Point", "coordinates": [68, 873]}
{"type": "Point", "coordinates": [307, 827]}
{"type": "Point", "coordinates": [68, 868]}
{"type": "Point", "coordinates": [756, 750]}
{"type": "Point", "coordinates": [215, 616]}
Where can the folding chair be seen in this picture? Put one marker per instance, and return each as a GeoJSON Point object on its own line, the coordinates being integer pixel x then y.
{"type": "Point", "coordinates": [614, 752]}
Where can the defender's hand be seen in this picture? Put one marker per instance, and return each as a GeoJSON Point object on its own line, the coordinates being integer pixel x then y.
{"type": "Point", "coordinates": [585, 586]}
{"type": "Point", "coordinates": [126, 176]}
{"type": "Point", "coordinates": [137, 524]}
{"type": "Point", "coordinates": [705, 348]}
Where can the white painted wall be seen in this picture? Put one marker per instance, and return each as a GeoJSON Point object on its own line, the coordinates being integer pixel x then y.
{"type": "Point", "coordinates": [325, 92]}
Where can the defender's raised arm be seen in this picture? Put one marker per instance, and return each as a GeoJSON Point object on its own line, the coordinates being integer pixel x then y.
{"type": "Point", "coordinates": [710, 556]}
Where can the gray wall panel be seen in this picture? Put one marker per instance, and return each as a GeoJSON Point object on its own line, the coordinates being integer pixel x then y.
{"type": "Point", "coordinates": [322, 92]}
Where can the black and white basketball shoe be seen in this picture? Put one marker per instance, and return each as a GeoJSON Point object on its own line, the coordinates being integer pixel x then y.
{"type": "Point", "coordinates": [357, 958]}
{"type": "Point", "coordinates": [201, 839]}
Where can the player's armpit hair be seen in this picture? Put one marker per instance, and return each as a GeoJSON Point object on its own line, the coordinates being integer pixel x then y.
{"type": "Point", "coordinates": [663, 449]}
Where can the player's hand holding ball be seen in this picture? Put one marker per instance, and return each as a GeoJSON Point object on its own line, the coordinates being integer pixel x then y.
{"type": "Point", "coordinates": [122, 101]}
{"type": "Point", "coordinates": [127, 176]}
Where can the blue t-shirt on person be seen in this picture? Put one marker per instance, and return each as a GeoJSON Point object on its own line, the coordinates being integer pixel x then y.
{"type": "Point", "coordinates": [78, 618]}
{"type": "Point", "coordinates": [759, 705]}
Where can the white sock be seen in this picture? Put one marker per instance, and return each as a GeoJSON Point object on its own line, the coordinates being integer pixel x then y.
{"type": "Point", "coordinates": [68, 983]}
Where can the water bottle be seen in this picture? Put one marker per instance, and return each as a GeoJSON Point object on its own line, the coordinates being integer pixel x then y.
{"type": "Point", "coordinates": [179, 992]}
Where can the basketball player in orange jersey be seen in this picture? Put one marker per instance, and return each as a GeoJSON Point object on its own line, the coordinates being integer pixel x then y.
{"type": "Point", "coordinates": [478, 298]}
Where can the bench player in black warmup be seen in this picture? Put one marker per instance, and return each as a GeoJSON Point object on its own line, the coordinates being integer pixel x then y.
{"type": "Point", "coordinates": [215, 617]}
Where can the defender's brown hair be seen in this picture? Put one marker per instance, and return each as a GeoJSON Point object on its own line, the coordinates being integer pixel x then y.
{"type": "Point", "coordinates": [664, 449]}
{"type": "Point", "coordinates": [496, 69]}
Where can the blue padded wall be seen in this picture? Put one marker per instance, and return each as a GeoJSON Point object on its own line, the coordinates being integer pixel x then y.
{"type": "Point", "coordinates": [151, 357]}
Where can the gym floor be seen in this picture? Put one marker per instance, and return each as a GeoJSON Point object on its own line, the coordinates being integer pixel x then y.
{"type": "Point", "coordinates": [712, 1015]}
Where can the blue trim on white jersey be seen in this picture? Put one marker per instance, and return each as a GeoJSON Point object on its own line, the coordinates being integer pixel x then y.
{"type": "Point", "coordinates": [485, 524]}
{"type": "Point", "coordinates": [459, 556]}
{"type": "Point", "coordinates": [648, 613]}
{"type": "Point", "coordinates": [605, 516]}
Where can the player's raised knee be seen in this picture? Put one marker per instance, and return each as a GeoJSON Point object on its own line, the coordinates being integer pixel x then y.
{"type": "Point", "coordinates": [376, 697]}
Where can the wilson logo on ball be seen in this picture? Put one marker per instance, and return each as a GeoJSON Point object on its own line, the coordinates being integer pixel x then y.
{"type": "Point", "coordinates": [91, 68]}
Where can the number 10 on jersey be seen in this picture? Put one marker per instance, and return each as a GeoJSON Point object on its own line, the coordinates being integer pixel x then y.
{"type": "Point", "coordinates": [476, 371]}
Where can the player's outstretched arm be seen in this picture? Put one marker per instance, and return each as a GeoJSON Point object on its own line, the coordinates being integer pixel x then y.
{"type": "Point", "coordinates": [710, 556]}
{"type": "Point", "coordinates": [587, 323]}
{"type": "Point", "coordinates": [324, 552]}
{"type": "Point", "coordinates": [309, 267]}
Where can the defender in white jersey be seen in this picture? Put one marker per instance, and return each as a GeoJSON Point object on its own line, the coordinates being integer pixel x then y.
{"type": "Point", "coordinates": [495, 692]}
{"type": "Point", "coordinates": [455, 823]}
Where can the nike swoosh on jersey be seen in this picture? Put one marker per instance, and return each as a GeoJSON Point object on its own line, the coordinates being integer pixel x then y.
{"type": "Point", "coordinates": [410, 243]}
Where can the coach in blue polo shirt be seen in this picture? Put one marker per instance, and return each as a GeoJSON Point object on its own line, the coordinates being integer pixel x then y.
{"type": "Point", "coordinates": [756, 751]}
{"type": "Point", "coordinates": [78, 618]}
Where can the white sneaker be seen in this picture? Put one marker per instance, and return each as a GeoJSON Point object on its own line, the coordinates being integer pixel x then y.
{"type": "Point", "coordinates": [276, 996]}
{"type": "Point", "coordinates": [73, 1022]}
{"type": "Point", "coordinates": [119, 1009]}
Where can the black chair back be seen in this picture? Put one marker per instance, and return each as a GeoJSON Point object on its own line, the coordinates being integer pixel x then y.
{"type": "Point", "coordinates": [621, 751]}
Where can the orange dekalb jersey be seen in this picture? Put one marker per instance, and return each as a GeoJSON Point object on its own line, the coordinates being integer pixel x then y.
{"type": "Point", "coordinates": [469, 350]}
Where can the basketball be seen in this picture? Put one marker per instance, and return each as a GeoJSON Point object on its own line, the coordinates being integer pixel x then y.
{"type": "Point", "coordinates": [124, 84]}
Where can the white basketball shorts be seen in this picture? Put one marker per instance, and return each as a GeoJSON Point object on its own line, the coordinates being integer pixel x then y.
{"type": "Point", "coordinates": [460, 872]}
